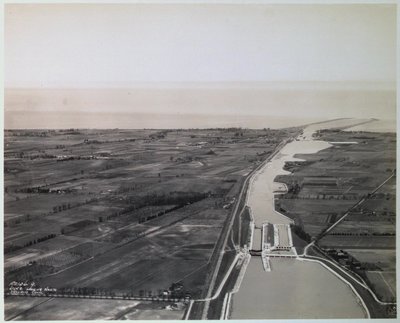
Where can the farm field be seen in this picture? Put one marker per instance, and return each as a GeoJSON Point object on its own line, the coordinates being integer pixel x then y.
{"type": "Point", "coordinates": [121, 212]}
{"type": "Point", "coordinates": [322, 187]}
{"type": "Point", "coordinates": [37, 308]}
{"type": "Point", "coordinates": [381, 271]}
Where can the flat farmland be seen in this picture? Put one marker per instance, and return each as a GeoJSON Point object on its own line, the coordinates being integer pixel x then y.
{"type": "Point", "coordinates": [383, 283]}
{"type": "Point", "coordinates": [381, 272]}
{"type": "Point", "coordinates": [21, 257]}
{"type": "Point", "coordinates": [37, 204]}
{"type": "Point", "coordinates": [121, 212]}
{"type": "Point", "coordinates": [362, 242]}
{"type": "Point", "coordinates": [15, 306]}
{"type": "Point", "coordinates": [85, 309]}
{"type": "Point", "coordinates": [169, 271]}
{"type": "Point", "coordinates": [141, 256]}
{"type": "Point", "coordinates": [313, 205]}
{"type": "Point", "coordinates": [385, 258]}
{"type": "Point", "coordinates": [355, 227]}
{"type": "Point", "coordinates": [311, 214]}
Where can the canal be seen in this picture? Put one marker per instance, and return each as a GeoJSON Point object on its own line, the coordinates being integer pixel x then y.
{"type": "Point", "coordinates": [294, 288]}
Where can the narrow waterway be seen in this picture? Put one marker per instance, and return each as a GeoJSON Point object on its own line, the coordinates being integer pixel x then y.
{"type": "Point", "coordinates": [294, 288]}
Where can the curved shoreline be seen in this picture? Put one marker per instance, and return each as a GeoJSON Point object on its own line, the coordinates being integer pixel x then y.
{"type": "Point", "coordinates": [357, 295]}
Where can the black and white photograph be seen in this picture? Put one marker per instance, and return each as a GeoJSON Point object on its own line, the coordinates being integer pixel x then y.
{"type": "Point", "coordinates": [199, 160]}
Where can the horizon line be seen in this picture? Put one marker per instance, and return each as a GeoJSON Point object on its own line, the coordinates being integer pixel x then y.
{"type": "Point", "coordinates": [359, 84]}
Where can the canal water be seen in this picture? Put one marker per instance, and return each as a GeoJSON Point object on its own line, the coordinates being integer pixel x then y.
{"type": "Point", "coordinates": [294, 288]}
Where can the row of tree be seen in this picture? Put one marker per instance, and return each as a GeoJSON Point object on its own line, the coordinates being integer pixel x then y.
{"type": "Point", "coordinates": [11, 247]}
{"type": "Point", "coordinates": [299, 231]}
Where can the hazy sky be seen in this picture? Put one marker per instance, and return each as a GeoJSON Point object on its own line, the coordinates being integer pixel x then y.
{"type": "Point", "coordinates": [141, 59]}
{"type": "Point", "coordinates": [116, 45]}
